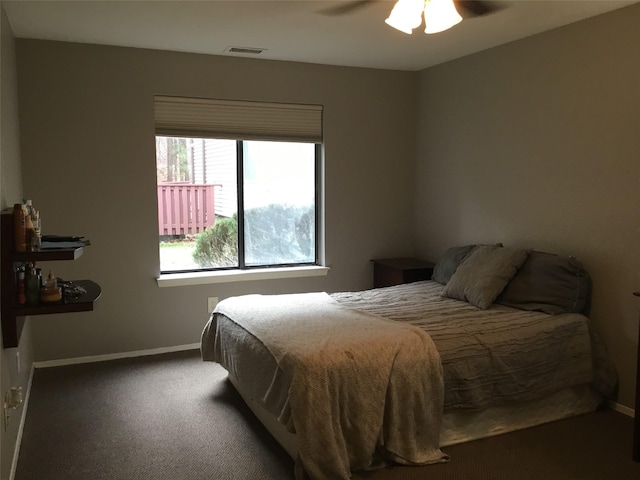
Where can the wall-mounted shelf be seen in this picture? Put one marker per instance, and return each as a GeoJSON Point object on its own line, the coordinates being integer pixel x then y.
{"type": "Point", "coordinates": [13, 314]}
{"type": "Point", "coordinates": [48, 255]}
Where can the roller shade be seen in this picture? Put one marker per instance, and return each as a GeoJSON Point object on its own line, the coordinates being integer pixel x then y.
{"type": "Point", "coordinates": [233, 119]}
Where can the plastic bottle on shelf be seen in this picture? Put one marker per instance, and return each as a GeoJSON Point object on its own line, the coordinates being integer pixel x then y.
{"type": "Point", "coordinates": [36, 237]}
{"type": "Point", "coordinates": [22, 295]}
{"type": "Point", "coordinates": [29, 232]}
{"type": "Point", "coordinates": [32, 286]}
{"type": "Point", "coordinates": [19, 228]}
{"type": "Point", "coordinates": [51, 282]}
{"type": "Point", "coordinates": [51, 292]}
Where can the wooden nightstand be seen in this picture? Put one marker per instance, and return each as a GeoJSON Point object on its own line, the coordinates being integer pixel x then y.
{"type": "Point", "coordinates": [394, 271]}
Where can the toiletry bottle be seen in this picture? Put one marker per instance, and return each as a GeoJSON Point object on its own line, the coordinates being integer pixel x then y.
{"type": "Point", "coordinates": [51, 282]}
{"type": "Point", "coordinates": [32, 287]}
{"type": "Point", "coordinates": [19, 228]}
{"type": "Point", "coordinates": [50, 292]}
{"type": "Point", "coordinates": [29, 231]}
{"type": "Point", "coordinates": [36, 238]}
{"type": "Point", "coordinates": [22, 296]}
{"type": "Point", "coordinates": [39, 275]}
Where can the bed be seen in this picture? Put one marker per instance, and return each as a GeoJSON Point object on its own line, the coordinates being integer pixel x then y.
{"type": "Point", "coordinates": [496, 341]}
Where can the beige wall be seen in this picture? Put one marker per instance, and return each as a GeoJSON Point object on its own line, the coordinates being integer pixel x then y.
{"type": "Point", "coordinates": [11, 192]}
{"type": "Point", "coordinates": [537, 144]}
{"type": "Point", "coordinates": [533, 144]}
{"type": "Point", "coordinates": [89, 165]}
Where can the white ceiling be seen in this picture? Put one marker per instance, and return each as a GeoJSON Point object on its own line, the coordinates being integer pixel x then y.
{"type": "Point", "coordinates": [289, 29]}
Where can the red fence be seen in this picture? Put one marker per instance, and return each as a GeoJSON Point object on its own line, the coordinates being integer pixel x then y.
{"type": "Point", "coordinates": [185, 208]}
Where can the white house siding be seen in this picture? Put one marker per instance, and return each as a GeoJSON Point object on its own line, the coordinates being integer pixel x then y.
{"type": "Point", "coordinates": [214, 162]}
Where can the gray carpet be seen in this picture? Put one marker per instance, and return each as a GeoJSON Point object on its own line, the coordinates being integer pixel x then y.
{"type": "Point", "coordinates": [175, 417]}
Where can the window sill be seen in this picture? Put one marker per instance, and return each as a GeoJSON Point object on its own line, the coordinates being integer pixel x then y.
{"type": "Point", "coordinates": [227, 276]}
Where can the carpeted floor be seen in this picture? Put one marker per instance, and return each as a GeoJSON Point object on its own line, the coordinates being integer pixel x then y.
{"type": "Point", "coordinates": [175, 417]}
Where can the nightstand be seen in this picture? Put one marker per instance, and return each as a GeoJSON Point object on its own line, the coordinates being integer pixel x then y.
{"type": "Point", "coordinates": [394, 271]}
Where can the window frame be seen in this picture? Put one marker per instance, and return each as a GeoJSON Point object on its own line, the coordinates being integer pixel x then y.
{"type": "Point", "coordinates": [228, 276]}
{"type": "Point", "coordinates": [241, 266]}
{"type": "Point", "coordinates": [181, 116]}
{"type": "Point", "coordinates": [241, 211]}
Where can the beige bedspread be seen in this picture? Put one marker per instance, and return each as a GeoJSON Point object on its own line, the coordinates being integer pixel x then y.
{"type": "Point", "coordinates": [497, 355]}
{"type": "Point", "coordinates": [345, 417]}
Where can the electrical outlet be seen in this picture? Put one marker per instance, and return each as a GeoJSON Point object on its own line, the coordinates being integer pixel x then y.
{"type": "Point", "coordinates": [13, 398]}
{"type": "Point", "coordinates": [211, 303]}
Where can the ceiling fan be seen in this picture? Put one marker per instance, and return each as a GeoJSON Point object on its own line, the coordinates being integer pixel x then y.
{"type": "Point", "coordinates": [407, 14]}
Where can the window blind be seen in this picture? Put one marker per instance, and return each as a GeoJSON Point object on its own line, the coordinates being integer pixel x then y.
{"type": "Point", "coordinates": [240, 120]}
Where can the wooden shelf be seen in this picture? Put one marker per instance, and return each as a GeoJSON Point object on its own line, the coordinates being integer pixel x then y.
{"type": "Point", "coordinates": [53, 254]}
{"type": "Point", "coordinates": [13, 314]}
{"type": "Point", "coordinates": [83, 303]}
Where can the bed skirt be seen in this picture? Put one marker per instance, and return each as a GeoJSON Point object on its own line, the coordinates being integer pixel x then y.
{"type": "Point", "coordinates": [464, 425]}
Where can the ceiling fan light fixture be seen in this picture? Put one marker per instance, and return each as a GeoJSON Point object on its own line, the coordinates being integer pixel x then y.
{"type": "Point", "coordinates": [406, 15]}
{"type": "Point", "coordinates": [440, 15]}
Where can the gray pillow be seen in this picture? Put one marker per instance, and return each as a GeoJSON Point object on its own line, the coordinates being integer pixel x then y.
{"type": "Point", "coordinates": [548, 283]}
{"type": "Point", "coordinates": [482, 276]}
{"type": "Point", "coordinates": [449, 262]}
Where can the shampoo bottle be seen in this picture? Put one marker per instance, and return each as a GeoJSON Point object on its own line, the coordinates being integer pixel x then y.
{"type": "Point", "coordinates": [19, 228]}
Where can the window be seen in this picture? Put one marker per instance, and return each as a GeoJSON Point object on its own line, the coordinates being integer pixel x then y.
{"type": "Point", "coordinates": [231, 200]}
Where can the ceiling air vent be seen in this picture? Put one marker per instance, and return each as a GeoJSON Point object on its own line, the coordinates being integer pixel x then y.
{"type": "Point", "coordinates": [244, 50]}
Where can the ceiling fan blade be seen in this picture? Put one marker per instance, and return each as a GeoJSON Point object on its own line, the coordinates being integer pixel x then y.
{"type": "Point", "coordinates": [475, 8]}
{"type": "Point", "coordinates": [345, 7]}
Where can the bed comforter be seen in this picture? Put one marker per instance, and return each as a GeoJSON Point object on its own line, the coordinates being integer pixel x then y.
{"type": "Point", "coordinates": [362, 388]}
{"type": "Point", "coordinates": [497, 355]}
{"type": "Point", "coordinates": [488, 357]}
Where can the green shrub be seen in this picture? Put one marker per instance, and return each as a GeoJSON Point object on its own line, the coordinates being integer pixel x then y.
{"type": "Point", "coordinates": [275, 234]}
{"type": "Point", "coordinates": [217, 246]}
{"type": "Point", "coordinates": [278, 234]}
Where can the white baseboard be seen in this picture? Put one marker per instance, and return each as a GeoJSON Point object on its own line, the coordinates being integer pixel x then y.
{"type": "Point", "coordinates": [23, 416]}
{"type": "Point", "coordinates": [114, 356]}
{"type": "Point", "coordinates": [630, 412]}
